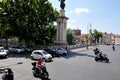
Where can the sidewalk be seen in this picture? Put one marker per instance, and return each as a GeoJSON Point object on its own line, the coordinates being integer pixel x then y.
{"type": "Point", "coordinates": [84, 48]}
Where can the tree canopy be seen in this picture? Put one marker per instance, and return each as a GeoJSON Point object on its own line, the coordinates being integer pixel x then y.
{"type": "Point", "coordinates": [69, 36]}
{"type": "Point", "coordinates": [97, 35]}
{"type": "Point", "coordinates": [32, 21]}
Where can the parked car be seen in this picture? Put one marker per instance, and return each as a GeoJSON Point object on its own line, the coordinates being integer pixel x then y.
{"type": "Point", "coordinates": [37, 54]}
{"type": "Point", "coordinates": [61, 51]}
{"type": "Point", "coordinates": [21, 49]}
{"type": "Point", "coordinates": [3, 52]}
{"type": "Point", "coordinates": [16, 49]}
{"type": "Point", "coordinates": [53, 52]}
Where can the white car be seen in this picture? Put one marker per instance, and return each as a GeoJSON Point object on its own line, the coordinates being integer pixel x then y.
{"type": "Point", "coordinates": [3, 53]}
{"type": "Point", "coordinates": [37, 54]}
{"type": "Point", "coordinates": [22, 49]}
{"type": "Point", "coordinates": [16, 49]}
{"type": "Point", "coordinates": [61, 51]}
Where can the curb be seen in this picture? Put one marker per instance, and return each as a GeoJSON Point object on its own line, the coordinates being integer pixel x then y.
{"type": "Point", "coordinates": [83, 49]}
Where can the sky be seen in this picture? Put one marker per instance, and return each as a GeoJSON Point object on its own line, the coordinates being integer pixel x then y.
{"type": "Point", "coordinates": [103, 15]}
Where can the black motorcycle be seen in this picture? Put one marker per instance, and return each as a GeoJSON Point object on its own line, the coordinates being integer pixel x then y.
{"type": "Point", "coordinates": [40, 72]}
{"type": "Point", "coordinates": [8, 74]}
{"type": "Point", "coordinates": [103, 57]}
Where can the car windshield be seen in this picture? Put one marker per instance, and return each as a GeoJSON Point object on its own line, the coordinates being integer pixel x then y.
{"type": "Point", "coordinates": [14, 47]}
{"type": "Point", "coordinates": [60, 49]}
{"type": "Point", "coordinates": [44, 52]}
{"type": "Point", "coordinates": [1, 49]}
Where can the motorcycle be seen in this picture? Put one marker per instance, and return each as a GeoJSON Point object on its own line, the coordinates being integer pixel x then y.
{"type": "Point", "coordinates": [40, 71]}
{"type": "Point", "coordinates": [102, 58]}
{"type": "Point", "coordinates": [8, 74]}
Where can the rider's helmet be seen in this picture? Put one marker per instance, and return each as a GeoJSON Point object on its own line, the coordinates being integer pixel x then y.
{"type": "Point", "coordinates": [97, 49]}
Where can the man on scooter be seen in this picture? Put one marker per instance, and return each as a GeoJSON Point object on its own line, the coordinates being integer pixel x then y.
{"type": "Point", "coordinates": [39, 64]}
{"type": "Point", "coordinates": [100, 54]}
{"type": "Point", "coordinates": [96, 51]}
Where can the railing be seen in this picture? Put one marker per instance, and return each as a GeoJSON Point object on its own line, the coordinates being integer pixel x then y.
{"type": "Point", "coordinates": [68, 47]}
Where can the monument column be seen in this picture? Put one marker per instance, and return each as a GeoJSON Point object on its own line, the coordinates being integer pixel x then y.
{"type": "Point", "coordinates": [61, 26]}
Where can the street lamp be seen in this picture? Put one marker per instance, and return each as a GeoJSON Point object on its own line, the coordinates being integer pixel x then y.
{"type": "Point", "coordinates": [87, 36]}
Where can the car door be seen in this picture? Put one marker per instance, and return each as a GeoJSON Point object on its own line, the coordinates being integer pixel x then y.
{"type": "Point", "coordinates": [39, 55]}
{"type": "Point", "coordinates": [60, 51]}
{"type": "Point", "coordinates": [36, 55]}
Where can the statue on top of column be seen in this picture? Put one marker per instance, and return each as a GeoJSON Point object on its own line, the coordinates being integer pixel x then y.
{"type": "Point", "coordinates": [62, 4]}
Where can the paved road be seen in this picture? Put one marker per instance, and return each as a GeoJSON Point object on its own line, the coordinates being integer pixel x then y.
{"type": "Point", "coordinates": [79, 64]}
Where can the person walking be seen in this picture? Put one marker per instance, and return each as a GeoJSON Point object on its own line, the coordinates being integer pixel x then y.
{"type": "Point", "coordinates": [113, 47]}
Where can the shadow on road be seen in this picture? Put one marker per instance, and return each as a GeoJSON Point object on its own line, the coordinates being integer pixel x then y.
{"type": "Point", "coordinates": [22, 55]}
{"type": "Point", "coordinates": [74, 54]}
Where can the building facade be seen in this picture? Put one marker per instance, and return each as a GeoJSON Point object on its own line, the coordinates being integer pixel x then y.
{"type": "Point", "coordinates": [110, 38]}
{"type": "Point", "coordinates": [76, 36]}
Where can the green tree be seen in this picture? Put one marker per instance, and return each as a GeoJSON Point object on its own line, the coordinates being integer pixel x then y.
{"type": "Point", "coordinates": [97, 35]}
{"type": "Point", "coordinates": [69, 36]}
{"type": "Point", "coordinates": [29, 20]}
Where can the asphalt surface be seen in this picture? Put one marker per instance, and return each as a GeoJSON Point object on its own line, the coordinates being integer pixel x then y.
{"type": "Point", "coordinates": [79, 64]}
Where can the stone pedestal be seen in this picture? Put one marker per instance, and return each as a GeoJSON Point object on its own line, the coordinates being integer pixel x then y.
{"type": "Point", "coordinates": [61, 29]}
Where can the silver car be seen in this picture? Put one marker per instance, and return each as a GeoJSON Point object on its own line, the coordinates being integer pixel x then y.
{"type": "Point", "coordinates": [3, 52]}
{"type": "Point", "coordinates": [41, 54]}
{"type": "Point", "coordinates": [61, 51]}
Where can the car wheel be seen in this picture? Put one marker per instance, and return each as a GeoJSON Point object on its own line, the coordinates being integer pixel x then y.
{"type": "Point", "coordinates": [64, 54]}
{"type": "Point", "coordinates": [6, 56]}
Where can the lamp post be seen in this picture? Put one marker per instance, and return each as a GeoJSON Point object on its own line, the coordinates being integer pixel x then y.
{"type": "Point", "coordinates": [87, 37]}
{"type": "Point", "coordinates": [88, 33]}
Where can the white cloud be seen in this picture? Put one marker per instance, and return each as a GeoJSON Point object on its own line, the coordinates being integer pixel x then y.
{"type": "Point", "coordinates": [73, 20]}
{"type": "Point", "coordinates": [71, 11]}
{"type": "Point", "coordinates": [80, 10]}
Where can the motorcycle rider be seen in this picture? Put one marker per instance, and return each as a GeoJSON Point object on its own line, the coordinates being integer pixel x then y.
{"type": "Point", "coordinates": [9, 75]}
{"type": "Point", "coordinates": [99, 55]}
{"type": "Point", "coordinates": [96, 51]}
{"type": "Point", "coordinates": [39, 64]}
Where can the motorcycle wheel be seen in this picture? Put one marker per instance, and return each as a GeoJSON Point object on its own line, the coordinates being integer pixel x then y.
{"type": "Point", "coordinates": [96, 59]}
{"type": "Point", "coordinates": [35, 75]}
{"type": "Point", "coordinates": [4, 77]}
{"type": "Point", "coordinates": [45, 75]}
{"type": "Point", "coordinates": [107, 60]}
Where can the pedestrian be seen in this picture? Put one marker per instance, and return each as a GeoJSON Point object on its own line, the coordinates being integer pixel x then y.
{"type": "Point", "coordinates": [113, 47]}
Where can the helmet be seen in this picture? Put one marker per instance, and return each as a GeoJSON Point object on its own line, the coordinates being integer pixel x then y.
{"type": "Point", "coordinates": [97, 49]}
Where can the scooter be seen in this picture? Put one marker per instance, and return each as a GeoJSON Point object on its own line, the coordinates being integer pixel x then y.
{"type": "Point", "coordinates": [8, 74]}
{"type": "Point", "coordinates": [102, 58]}
{"type": "Point", "coordinates": [40, 72]}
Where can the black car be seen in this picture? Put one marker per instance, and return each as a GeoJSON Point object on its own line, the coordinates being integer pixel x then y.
{"type": "Point", "coordinates": [52, 52]}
